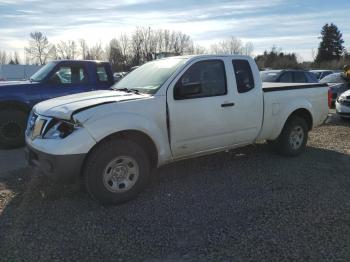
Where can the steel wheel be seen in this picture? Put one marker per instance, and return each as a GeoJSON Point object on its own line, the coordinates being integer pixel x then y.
{"type": "Point", "coordinates": [121, 174]}
{"type": "Point", "coordinates": [296, 137]}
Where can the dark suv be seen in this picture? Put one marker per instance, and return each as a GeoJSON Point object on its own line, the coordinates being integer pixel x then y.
{"type": "Point", "coordinates": [288, 76]}
{"type": "Point", "coordinates": [338, 84]}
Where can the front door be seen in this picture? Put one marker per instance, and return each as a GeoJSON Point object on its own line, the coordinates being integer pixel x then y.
{"type": "Point", "coordinates": [66, 80]}
{"type": "Point", "coordinates": [198, 120]}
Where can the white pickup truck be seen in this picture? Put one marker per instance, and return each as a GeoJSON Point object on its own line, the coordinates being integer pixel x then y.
{"type": "Point", "coordinates": [164, 111]}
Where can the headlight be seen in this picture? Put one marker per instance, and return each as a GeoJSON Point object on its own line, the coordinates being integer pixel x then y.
{"type": "Point", "coordinates": [59, 129]}
{"type": "Point", "coordinates": [341, 98]}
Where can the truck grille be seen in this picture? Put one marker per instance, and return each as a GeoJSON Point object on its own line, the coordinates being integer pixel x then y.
{"type": "Point", "coordinates": [345, 102]}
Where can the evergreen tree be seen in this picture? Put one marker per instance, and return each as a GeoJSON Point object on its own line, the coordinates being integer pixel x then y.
{"type": "Point", "coordinates": [331, 46]}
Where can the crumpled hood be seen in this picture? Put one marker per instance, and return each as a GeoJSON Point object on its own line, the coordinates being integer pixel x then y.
{"type": "Point", "coordinates": [11, 83]}
{"type": "Point", "coordinates": [63, 107]}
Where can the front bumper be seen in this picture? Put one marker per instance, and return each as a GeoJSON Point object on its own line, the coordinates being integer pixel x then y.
{"type": "Point", "coordinates": [62, 168]}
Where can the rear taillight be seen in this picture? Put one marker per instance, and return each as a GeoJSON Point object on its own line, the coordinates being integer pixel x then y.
{"type": "Point", "coordinates": [329, 98]}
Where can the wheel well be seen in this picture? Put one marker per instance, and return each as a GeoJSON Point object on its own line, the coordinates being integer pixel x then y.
{"type": "Point", "coordinates": [305, 114]}
{"type": "Point", "coordinates": [138, 137]}
{"type": "Point", "coordinates": [15, 105]}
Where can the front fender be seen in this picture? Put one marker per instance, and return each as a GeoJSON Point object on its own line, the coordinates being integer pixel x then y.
{"type": "Point", "coordinates": [109, 124]}
{"type": "Point", "coordinates": [13, 101]}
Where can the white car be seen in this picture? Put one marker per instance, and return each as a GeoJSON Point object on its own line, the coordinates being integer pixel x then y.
{"type": "Point", "coordinates": [167, 110]}
{"type": "Point", "coordinates": [342, 105]}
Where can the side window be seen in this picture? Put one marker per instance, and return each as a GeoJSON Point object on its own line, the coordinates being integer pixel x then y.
{"type": "Point", "coordinates": [299, 77]}
{"type": "Point", "coordinates": [102, 74]}
{"type": "Point", "coordinates": [69, 75]}
{"type": "Point", "coordinates": [286, 77]}
{"type": "Point", "coordinates": [244, 75]}
{"type": "Point", "coordinates": [203, 79]}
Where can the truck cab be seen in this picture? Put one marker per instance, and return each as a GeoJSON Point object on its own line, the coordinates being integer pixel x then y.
{"type": "Point", "coordinates": [55, 79]}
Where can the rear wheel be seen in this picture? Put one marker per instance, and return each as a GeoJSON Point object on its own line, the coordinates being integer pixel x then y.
{"type": "Point", "coordinates": [12, 128]}
{"type": "Point", "coordinates": [293, 138]}
{"type": "Point", "coordinates": [117, 171]}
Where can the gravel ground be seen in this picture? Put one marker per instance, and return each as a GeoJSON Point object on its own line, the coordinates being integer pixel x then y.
{"type": "Point", "coordinates": [248, 204]}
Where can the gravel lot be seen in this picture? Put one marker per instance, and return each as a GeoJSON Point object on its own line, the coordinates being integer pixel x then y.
{"type": "Point", "coordinates": [248, 204]}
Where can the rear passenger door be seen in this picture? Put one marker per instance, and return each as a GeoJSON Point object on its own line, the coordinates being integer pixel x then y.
{"type": "Point", "coordinates": [66, 79]}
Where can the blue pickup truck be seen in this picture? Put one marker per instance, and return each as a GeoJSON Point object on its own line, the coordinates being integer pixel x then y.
{"type": "Point", "coordinates": [57, 78]}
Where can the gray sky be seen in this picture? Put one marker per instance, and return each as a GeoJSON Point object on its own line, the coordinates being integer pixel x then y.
{"type": "Point", "coordinates": [292, 25]}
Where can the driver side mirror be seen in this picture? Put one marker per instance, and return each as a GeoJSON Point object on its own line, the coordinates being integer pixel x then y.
{"type": "Point", "coordinates": [187, 90]}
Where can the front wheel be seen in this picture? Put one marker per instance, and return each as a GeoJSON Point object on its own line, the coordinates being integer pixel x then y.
{"type": "Point", "coordinates": [117, 171]}
{"type": "Point", "coordinates": [293, 138]}
{"type": "Point", "coordinates": [12, 128]}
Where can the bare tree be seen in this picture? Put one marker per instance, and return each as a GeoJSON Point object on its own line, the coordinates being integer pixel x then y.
{"type": "Point", "coordinates": [124, 44]}
{"type": "Point", "coordinates": [3, 57]}
{"type": "Point", "coordinates": [136, 47]}
{"type": "Point", "coordinates": [197, 50]}
{"type": "Point", "coordinates": [39, 47]}
{"type": "Point", "coordinates": [16, 58]}
{"type": "Point", "coordinates": [84, 49]}
{"type": "Point", "coordinates": [248, 49]}
{"type": "Point", "coordinates": [232, 46]}
{"type": "Point", "coordinates": [67, 50]}
{"type": "Point", "coordinates": [115, 55]}
{"type": "Point", "coordinates": [95, 52]}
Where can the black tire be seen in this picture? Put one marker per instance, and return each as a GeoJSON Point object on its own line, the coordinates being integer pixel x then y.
{"type": "Point", "coordinates": [344, 118]}
{"type": "Point", "coordinates": [284, 145]}
{"type": "Point", "coordinates": [12, 128]}
{"type": "Point", "coordinates": [96, 166]}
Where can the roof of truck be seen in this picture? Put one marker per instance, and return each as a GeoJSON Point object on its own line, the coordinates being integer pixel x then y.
{"type": "Point", "coordinates": [80, 61]}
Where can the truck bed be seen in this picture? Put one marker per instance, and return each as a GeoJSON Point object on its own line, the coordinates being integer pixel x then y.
{"type": "Point", "coordinates": [270, 87]}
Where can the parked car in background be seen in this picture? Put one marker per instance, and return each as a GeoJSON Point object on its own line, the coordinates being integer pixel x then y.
{"type": "Point", "coordinates": [338, 84]}
{"type": "Point", "coordinates": [118, 76]}
{"type": "Point", "coordinates": [288, 76]}
{"type": "Point", "coordinates": [167, 110]}
{"type": "Point", "coordinates": [342, 105]}
{"type": "Point", "coordinates": [57, 78]}
{"type": "Point", "coordinates": [321, 73]}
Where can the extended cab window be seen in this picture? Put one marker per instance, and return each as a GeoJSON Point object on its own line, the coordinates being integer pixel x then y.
{"type": "Point", "coordinates": [102, 74]}
{"type": "Point", "coordinates": [244, 75]}
{"type": "Point", "coordinates": [203, 79]}
{"type": "Point", "coordinates": [69, 75]}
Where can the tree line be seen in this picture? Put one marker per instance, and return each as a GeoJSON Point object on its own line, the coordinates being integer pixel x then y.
{"type": "Point", "coordinates": [145, 44]}
{"type": "Point", "coordinates": [126, 51]}
{"type": "Point", "coordinates": [331, 54]}
{"type": "Point", "coordinates": [9, 58]}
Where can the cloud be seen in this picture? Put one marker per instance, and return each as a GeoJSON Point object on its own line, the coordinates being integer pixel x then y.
{"type": "Point", "coordinates": [292, 25]}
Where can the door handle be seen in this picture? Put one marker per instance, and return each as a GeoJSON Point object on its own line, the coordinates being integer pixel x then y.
{"type": "Point", "coordinates": [227, 104]}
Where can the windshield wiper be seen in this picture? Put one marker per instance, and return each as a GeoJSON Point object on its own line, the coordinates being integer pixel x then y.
{"type": "Point", "coordinates": [128, 90]}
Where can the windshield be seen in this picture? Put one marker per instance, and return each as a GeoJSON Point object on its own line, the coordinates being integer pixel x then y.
{"type": "Point", "coordinates": [42, 72]}
{"type": "Point", "coordinates": [269, 76]}
{"type": "Point", "coordinates": [151, 76]}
